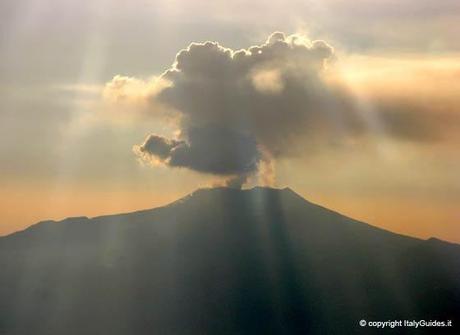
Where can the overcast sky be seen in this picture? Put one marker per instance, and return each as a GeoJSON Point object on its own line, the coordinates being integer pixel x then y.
{"type": "Point", "coordinates": [354, 107]}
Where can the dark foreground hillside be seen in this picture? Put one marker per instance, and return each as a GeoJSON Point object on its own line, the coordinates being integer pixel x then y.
{"type": "Point", "coordinates": [223, 261]}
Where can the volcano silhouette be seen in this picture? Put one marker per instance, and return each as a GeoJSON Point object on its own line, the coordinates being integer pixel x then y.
{"type": "Point", "coordinates": [223, 261]}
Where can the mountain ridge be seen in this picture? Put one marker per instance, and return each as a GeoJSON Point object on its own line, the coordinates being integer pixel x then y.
{"type": "Point", "coordinates": [198, 191]}
{"type": "Point", "coordinates": [222, 261]}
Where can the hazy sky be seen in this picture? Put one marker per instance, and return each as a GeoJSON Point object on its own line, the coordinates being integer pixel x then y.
{"type": "Point", "coordinates": [97, 115]}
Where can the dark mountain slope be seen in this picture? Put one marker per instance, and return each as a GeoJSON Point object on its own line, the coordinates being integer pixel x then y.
{"type": "Point", "coordinates": [222, 261]}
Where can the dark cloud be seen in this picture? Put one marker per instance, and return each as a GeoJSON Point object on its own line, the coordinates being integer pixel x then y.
{"type": "Point", "coordinates": [159, 147]}
{"type": "Point", "coordinates": [240, 108]}
{"type": "Point", "coordinates": [234, 105]}
{"type": "Point", "coordinates": [212, 150]}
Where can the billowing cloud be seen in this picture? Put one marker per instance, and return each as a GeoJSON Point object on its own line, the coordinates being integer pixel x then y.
{"type": "Point", "coordinates": [239, 109]}
{"type": "Point", "coordinates": [214, 150]}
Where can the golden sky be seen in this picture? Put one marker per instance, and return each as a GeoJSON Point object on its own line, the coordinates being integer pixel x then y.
{"type": "Point", "coordinates": [355, 107]}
